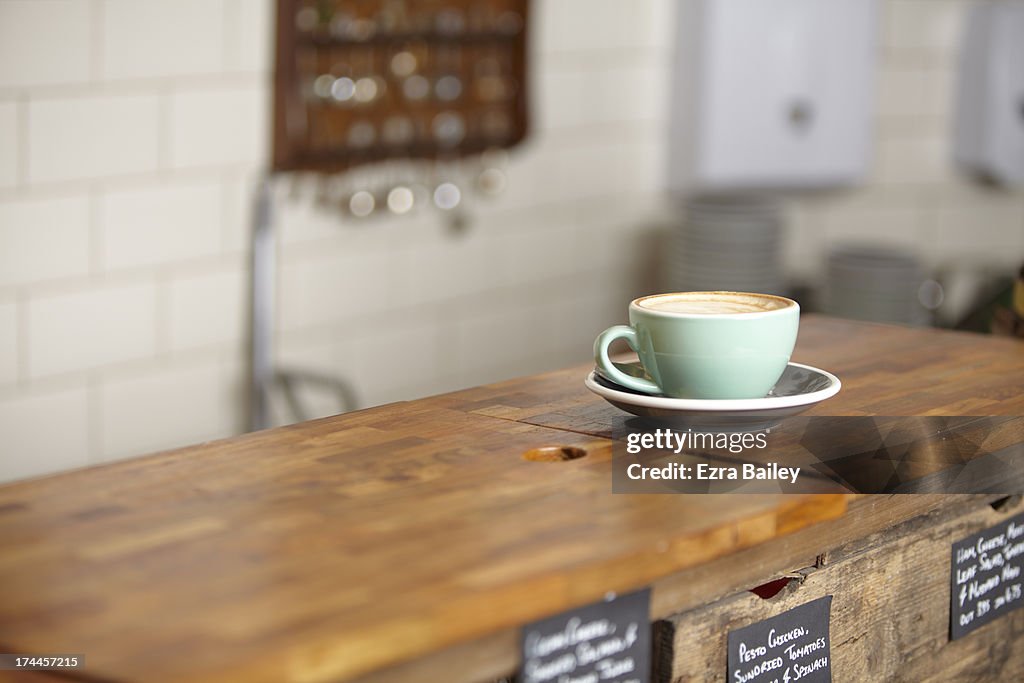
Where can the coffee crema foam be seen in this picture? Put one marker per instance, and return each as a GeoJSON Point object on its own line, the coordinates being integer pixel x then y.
{"type": "Point", "coordinates": [713, 303]}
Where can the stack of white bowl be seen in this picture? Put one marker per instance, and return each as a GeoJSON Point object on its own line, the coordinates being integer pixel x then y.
{"type": "Point", "coordinates": [727, 242]}
{"type": "Point", "coordinates": [874, 283]}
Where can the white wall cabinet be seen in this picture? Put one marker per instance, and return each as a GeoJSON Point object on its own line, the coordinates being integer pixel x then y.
{"type": "Point", "coordinates": [771, 94]}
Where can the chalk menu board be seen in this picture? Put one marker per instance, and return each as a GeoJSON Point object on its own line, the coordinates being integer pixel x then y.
{"type": "Point", "coordinates": [986, 576]}
{"type": "Point", "coordinates": [792, 646]}
{"type": "Point", "coordinates": [605, 641]}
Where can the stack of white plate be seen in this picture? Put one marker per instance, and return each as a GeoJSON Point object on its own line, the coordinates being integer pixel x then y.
{"type": "Point", "coordinates": [873, 283]}
{"type": "Point", "coordinates": [727, 242]}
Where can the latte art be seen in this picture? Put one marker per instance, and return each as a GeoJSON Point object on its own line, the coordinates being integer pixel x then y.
{"type": "Point", "coordinates": [708, 307]}
{"type": "Point", "coordinates": [713, 303]}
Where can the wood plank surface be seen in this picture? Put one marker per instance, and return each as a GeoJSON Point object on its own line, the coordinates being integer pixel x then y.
{"type": "Point", "coordinates": [885, 370]}
{"type": "Point", "coordinates": [488, 658]}
{"type": "Point", "coordinates": [890, 611]}
{"type": "Point", "coordinates": [416, 532]}
{"type": "Point", "coordinates": [329, 549]}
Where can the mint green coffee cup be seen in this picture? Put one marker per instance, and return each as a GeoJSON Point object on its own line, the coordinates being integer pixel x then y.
{"type": "Point", "coordinates": [705, 345]}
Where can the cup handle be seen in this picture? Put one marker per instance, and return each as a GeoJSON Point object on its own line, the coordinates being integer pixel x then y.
{"type": "Point", "coordinates": [601, 345]}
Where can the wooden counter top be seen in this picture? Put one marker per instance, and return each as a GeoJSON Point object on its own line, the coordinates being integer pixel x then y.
{"type": "Point", "coordinates": [344, 546]}
{"type": "Point", "coordinates": [885, 370]}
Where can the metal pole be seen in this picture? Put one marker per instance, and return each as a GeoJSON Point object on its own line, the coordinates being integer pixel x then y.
{"type": "Point", "coordinates": [261, 292]}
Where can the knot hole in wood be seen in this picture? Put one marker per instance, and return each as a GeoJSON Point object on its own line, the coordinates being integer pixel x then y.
{"type": "Point", "coordinates": [554, 454]}
{"type": "Point", "coordinates": [1006, 504]}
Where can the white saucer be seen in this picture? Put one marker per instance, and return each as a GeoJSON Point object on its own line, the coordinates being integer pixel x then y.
{"type": "Point", "coordinates": [799, 388]}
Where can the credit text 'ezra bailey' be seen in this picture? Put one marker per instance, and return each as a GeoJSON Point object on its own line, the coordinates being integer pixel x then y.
{"type": "Point", "coordinates": [705, 472]}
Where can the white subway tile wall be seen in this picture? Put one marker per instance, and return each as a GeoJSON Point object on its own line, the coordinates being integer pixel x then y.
{"type": "Point", "coordinates": [250, 30]}
{"type": "Point", "coordinates": [170, 405]}
{"type": "Point", "coordinates": [8, 343]}
{"type": "Point", "coordinates": [132, 133]}
{"type": "Point", "coordinates": [44, 431]}
{"type": "Point", "coordinates": [226, 126]}
{"type": "Point", "coordinates": [90, 327]}
{"type": "Point", "coordinates": [203, 309]}
{"type": "Point", "coordinates": [45, 42]}
{"type": "Point", "coordinates": [92, 136]}
{"type": "Point", "coordinates": [152, 38]}
{"type": "Point", "coordinates": [160, 223]}
{"type": "Point", "coordinates": [44, 239]}
{"type": "Point", "coordinates": [394, 359]}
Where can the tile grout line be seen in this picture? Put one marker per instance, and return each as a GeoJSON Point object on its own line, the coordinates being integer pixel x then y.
{"type": "Point", "coordinates": [163, 133]}
{"type": "Point", "coordinates": [96, 54]}
{"type": "Point", "coordinates": [96, 241]}
{"type": "Point", "coordinates": [94, 417]}
{"type": "Point", "coordinates": [22, 146]}
{"type": "Point", "coordinates": [162, 345]}
{"type": "Point", "coordinates": [229, 35]}
{"type": "Point", "coordinates": [23, 338]}
{"type": "Point", "coordinates": [126, 87]}
{"type": "Point", "coordinates": [227, 198]}
{"type": "Point", "coordinates": [120, 181]}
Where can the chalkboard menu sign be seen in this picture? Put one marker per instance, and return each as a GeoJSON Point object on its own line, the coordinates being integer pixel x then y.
{"type": "Point", "coordinates": [792, 646]}
{"type": "Point", "coordinates": [986, 576]}
{"type": "Point", "coordinates": [605, 641]}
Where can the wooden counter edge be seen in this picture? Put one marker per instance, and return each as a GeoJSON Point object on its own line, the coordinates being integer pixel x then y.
{"type": "Point", "coordinates": [496, 655]}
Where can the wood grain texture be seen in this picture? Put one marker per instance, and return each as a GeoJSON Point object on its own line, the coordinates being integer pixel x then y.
{"type": "Point", "coordinates": [486, 659]}
{"type": "Point", "coordinates": [890, 611]}
{"type": "Point", "coordinates": [740, 571]}
{"type": "Point", "coordinates": [43, 677]}
{"type": "Point", "coordinates": [329, 549]}
{"type": "Point", "coordinates": [885, 370]}
{"type": "Point", "coordinates": [412, 540]}
{"type": "Point", "coordinates": [879, 365]}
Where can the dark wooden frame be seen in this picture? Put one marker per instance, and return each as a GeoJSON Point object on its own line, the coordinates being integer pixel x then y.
{"type": "Point", "coordinates": [289, 155]}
